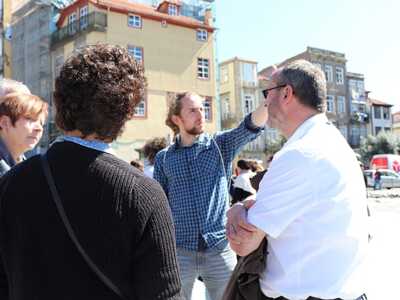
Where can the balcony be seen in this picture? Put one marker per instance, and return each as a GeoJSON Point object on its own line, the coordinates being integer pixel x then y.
{"type": "Point", "coordinates": [95, 21]}
{"type": "Point", "coordinates": [359, 117]}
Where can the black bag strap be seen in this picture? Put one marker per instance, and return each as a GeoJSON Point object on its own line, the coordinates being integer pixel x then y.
{"type": "Point", "coordinates": [61, 211]}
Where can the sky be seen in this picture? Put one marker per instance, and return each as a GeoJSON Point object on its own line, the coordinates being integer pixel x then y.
{"type": "Point", "coordinates": [269, 31]}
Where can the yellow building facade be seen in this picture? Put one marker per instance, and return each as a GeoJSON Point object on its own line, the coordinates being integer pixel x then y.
{"type": "Point", "coordinates": [239, 94]}
{"type": "Point", "coordinates": [177, 53]}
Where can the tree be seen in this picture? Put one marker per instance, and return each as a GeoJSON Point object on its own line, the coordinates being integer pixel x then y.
{"type": "Point", "coordinates": [274, 146]}
{"type": "Point", "coordinates": [383, 143]}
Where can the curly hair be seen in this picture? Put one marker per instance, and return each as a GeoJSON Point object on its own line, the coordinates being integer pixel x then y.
{"type": "Point", "coordinates": [152, 147]}
{"type": "Point", "coordinates": [97, 91]}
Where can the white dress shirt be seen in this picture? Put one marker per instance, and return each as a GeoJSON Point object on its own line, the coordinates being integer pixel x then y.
{"type": "Point", "coordinates": [312, 206]}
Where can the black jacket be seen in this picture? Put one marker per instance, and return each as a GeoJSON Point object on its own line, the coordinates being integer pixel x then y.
{"type": "Point", "coordinates": [121, 218]}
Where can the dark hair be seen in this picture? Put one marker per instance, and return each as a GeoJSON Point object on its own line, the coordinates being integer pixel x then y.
{"type": "Point", "coordinates": [152, 147]}
{"type": "Point", "coordinates": [97, 91]}
{"type": "Point", "coordinates": [244, 164]}
{"type": "Point", "coordinates": [308, 83]}
{"type": "Point", "coordinates": [137, 164]}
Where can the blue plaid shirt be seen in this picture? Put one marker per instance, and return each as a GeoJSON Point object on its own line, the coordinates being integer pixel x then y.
{"type": "Point", "coordinates": [194, 181]}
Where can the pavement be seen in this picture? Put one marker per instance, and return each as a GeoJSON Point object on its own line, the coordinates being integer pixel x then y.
{"type": "Point", "coordinates": [384, 253]}
{"type": "Point", "coordinates": [384, 260]}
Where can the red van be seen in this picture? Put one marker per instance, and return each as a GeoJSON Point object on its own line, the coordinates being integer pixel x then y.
{"type": "Point", "coordinates": [386, 161]}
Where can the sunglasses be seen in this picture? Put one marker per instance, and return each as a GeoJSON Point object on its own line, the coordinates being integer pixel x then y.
{"type": "Point", "coordinates": [265, 92]}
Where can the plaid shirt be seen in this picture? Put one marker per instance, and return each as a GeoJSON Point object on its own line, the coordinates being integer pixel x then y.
{"type": "Point", "coordinates": [196, 186]}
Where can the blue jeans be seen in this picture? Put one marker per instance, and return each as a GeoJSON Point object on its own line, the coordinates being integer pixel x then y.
{"type": "Point", "coordinates": [213, 265]}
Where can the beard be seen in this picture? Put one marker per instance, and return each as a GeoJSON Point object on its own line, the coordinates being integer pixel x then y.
{"type": "Point", "coordinates": [194, 131]}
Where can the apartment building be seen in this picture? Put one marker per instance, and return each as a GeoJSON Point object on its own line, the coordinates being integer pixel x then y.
{"type": "Point", "coordinates": [31, 25]}
{"type": "Point", "coordinates": [239, 95]}
{"type": "Point", "coordinates": [396, 123]}
{"type": "Point", "coordinates": [359, 109]}
{"type": "Point", "coordinates": [177, 52]}
{"type": "Point", "coordinates": [381, 116]}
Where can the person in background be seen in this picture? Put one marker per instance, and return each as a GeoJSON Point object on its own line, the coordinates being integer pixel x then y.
{"type": "Point", "coordinates": [150, 149]}
{"type": "Point", "coordinates": [255, 165]}
{"type": "Point", "coordinates": [22, 117]}
{"type": "Point", "coordinates": [242, 188]}
{"type": "Point", "coordinates": [377, 180]}
{"type": "Point", "coordinates": [8, 86]}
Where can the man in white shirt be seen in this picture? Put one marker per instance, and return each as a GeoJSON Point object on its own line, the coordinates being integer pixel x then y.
{"type": "Point", "coordinates": [311, 204]}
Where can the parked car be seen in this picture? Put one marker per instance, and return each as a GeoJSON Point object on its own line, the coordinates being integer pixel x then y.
{"type": "Point", "coordinates": [389, 178]}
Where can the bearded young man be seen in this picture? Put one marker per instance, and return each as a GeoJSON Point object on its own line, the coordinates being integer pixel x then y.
{"type": "Point", "coordinates": [194, 173]}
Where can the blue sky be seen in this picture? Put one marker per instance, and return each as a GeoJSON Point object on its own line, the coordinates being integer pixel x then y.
{"type": "Point", "coordinates": [367, 31]}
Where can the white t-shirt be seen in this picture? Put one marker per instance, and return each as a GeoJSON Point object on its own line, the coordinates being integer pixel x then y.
{"type": "Point", "coordinates": [312, 206]}
{"type": "Point", "coordinates": [148, 170]}
{"type": "Point", "coordinates": [242, 181]}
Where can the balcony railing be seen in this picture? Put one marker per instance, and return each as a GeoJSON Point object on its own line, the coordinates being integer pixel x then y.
{"type": "Point", "coordinates": [95, 21]}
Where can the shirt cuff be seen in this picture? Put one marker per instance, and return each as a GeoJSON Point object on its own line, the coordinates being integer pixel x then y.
{"type": "Point", "coordinates": [248, 123]}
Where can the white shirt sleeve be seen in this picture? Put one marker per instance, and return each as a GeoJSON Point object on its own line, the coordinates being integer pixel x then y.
{"type": "Point", "coordinates": [285, 193]}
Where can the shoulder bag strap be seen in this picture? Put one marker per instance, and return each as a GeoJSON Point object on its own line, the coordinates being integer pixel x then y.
{"type": "Point", "coordinates": [60, 208]}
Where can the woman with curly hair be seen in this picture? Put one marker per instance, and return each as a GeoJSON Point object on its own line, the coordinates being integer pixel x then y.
{"type": "Point", "coordinates": [120, 217]}
{"type": "Point", "coordinates": [150, 149]}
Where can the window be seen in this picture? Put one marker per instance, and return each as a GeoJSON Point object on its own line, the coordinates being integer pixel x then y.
{"type": "Point", "coordinates": [339, 75]}
{"type": "Point", "coordinates": [330, 105]}
{"type": "Point", "coordinates": [140, 109]}
{"type": "Point", "coordinates": [225, 107]}
{"type": "Point", "coordinates": [136, 52]}
{"type": "Point", "coordinates": [341, 104]}
{"type": "Point", "coordinates": [224, 74]}
{"type": "Point", "coordinates": [207, 109]}
{"type": "Point", "coordinates": [83, 17]}
{"type": "Point", "coordinates": [249, 74]}
{"type": "Point", "coordinates": [58, 63]}
{"type": "Point", "coordinates": [72, 23]}
{"type": "Point", "coordinates": [248, 104]}
{"type": "Point", "coordinates": [201, 34]}
{"type": "Point", "coordinates": [202, 68]}
{"type": "Point", "coordinates": [377, 130]}
{"type": "Point", "coordinates": [135, 21]}
{"type": "Point", "coordinates": [343, 130]}
{"type": "Point", "coordinates": [388, 129]}
{"type": "Point", "coordinates": [172, 10]}
{"type": "Point", "coordinates": [386, 113]}
{"type": "Point", "coordinates": [377, 112]}
{"type": "Point", "coordinates": [328, 73]}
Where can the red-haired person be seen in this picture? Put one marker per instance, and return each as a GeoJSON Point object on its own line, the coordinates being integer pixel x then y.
{"type": "Point", "coordinates": [21, 127]}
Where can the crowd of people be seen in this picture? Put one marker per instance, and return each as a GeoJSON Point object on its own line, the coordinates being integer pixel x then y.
{"type": "Point", "coordinates": [77, 222]}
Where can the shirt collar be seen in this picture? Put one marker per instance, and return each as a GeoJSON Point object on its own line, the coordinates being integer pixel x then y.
{"type": "Point", "coordinates": [6, 155]}
{"type": "Point", "coordinates": [96, 145]}
{"type": "Point", "coordinates": [306, 126]}
{"type": "Point", "coordinates": [200, 140]}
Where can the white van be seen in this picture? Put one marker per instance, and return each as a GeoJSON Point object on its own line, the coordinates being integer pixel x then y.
{"type": "Point", "coordinates": [386, 161]}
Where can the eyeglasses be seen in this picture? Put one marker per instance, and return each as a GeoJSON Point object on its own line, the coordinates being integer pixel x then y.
{"type": "Point", "coordinates": [265, 92]}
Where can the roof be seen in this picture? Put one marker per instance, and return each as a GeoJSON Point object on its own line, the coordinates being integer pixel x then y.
{"type": "Point", "coordinates": [378, 102]}
{"type": "Point", "coordinates": [238, 59]}
{"type": "Point", "coordinates": [144, 10]}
